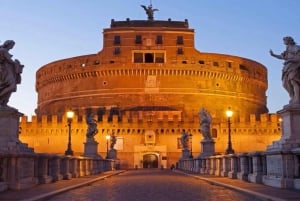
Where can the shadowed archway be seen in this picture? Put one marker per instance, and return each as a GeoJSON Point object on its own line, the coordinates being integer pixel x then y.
{"type": "Point", "coordinates": [150, 161]}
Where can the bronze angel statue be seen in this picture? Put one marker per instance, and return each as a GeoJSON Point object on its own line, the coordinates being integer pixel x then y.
{"type": "Point", "coordinates": [149, 11]}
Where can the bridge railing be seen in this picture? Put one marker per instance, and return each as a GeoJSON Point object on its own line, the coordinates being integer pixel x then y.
{"type": "Point", "coordinates": [20, 171]}
{"type": "Point", "coordinates": [277, 169]}
{"type": "Point", "coordinates": [244, 166]}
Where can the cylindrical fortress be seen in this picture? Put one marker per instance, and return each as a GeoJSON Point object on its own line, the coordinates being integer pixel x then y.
{"type": "Point", "coordinates": [152, 64]}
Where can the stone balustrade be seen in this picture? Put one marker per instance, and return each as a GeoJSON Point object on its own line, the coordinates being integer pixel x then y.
{"type": "Point", "coordinates": [20, 171]}
{"type": "Point", "coordinates": [250, 167]}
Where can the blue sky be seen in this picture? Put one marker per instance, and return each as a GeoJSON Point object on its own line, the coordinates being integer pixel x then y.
{"type": "Point", "coordinates": [49, 30]}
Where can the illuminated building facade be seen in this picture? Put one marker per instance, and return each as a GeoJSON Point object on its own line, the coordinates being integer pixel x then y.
{"type": "Point", "coordinates": [147, 85]}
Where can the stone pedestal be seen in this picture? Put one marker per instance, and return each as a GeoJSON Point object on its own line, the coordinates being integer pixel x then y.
{"type": "Point", "coordinates": [186, 154]}
{"type": "Point", "coordinates": [280, 156]}
{"type": "Point", "coordinates": [290, 126]}
{"type": "Point", "coordinates": [9, 132]}
{"type": "Point", "coordinates": [91, 148]}
{"type": "Point", "coordinates": [112, 154]}
{"type": "Point", "coordinates": [207, 148]}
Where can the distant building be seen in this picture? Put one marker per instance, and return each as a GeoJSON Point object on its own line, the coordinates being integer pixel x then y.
{"type": "Point", "coordinates": [147, 85]}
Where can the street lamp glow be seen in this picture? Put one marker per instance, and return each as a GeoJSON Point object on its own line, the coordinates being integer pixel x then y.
{"type": "Point", "coordinates": [229, 113]}
{"type": "Point", "coordinates": [229, 149]}
{"type": "Point", "coordinates": [70, 114]}
{"type": "Point", "coordinates": [69, 151]}
{"type": "Point", "coordinates": [107, 137]}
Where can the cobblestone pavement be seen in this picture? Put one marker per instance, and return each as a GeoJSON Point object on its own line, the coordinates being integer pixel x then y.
{"type": "Point", "coordinates": [154, 185]}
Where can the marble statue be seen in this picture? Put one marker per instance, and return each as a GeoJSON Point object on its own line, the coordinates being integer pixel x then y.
{"type": "Point", "coordinates": [184, 140]}
{"type": "Point", "coordinates": [205, 122]}
{"type": "Point", "coordinates": [92, 126]}
{"type": "Point", "coordinates": [291, 69]}
{"type": "Point", "coordinates": [10, 72]}
{"type": "Point", "coordinates": [149, 11]}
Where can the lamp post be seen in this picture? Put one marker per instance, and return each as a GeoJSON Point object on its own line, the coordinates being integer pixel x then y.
{"type": "Point", "coordinates": [107, 139]}
{"type": "Point", "coordinates": [229, 149]}
{"type": "Point", "coordinates": [70, 115]}
{"type": "Point", "coordinates": [191, 144]}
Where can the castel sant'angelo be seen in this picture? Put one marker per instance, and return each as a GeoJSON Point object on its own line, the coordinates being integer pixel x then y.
{"type": "Point", "coordinates": [147, 85]}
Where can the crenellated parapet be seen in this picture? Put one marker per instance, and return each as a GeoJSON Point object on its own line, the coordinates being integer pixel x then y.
{"type": "Point", "coordinates": [165, 123]}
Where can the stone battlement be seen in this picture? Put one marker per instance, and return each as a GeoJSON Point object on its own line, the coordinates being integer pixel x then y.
{"type": "Point", "coordinates": [161, 117]}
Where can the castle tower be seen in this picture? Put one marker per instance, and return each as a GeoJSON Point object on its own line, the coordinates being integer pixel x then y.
{"type": "Point", "coordinates": [147, 84]}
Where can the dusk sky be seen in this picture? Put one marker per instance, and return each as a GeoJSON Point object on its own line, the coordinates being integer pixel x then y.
{"type": "Point", "coordinates": [49, 30]}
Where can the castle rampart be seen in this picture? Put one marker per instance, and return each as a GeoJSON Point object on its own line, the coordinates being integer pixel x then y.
{"type": "Point", "coordinates": [49, 134]}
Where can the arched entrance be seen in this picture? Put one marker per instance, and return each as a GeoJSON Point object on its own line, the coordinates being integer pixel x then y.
{"type": "Point", "coordinates": [150, 161]}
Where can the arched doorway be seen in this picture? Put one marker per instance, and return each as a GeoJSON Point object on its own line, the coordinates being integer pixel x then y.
{"type": "Point", "coordinates": [150, 161]}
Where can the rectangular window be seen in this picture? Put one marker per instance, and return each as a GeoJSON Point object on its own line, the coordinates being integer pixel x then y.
{"type": "Point", "coordinates": [215, 64]}
{"type": "Point", "coordinates": [179, 50]}
{"type": "Point", "coordinates": [229, 64]}
{"type": "Point", "coordinates": [201, 62]}
{"type": "Point", "coordinates": [117, 40]}
{"type": "Point", "coordinates": [242, 67]}
{"type": "Point", "coordinates": [138, 39]}
{"type": "Point", "coordinates": [159, 40]}
{"type": "Point", "coordinates": [117, 51]}
{"type": "Point", "coordinates": [138, 57]}
{"type": "Point", "coordinates": [179, 40]}
{"type": "Point", "coordinates": [159, 58]}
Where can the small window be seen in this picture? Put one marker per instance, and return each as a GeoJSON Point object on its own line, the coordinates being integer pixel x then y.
{"type": "Point", "coordinates": [179, 40]}
{"type": "Point", "coordinates": [229, 64]}
{"type": "Point", "coordinates": [159, 39]}
{"type": "Point", "coordinates": [215, 63]}
{"type": "Point", "coordinates": [138, 58]}
{"type": "Point", "coordinates": [242, 67]}
{"type": "Point", "coordinates": [138, 39]}
{"type": "Point", "coordinates": [201, 62]}
{"type": "Point", "coordinates": [214, 133]}
{"type": "Point", "coordinates": [117, 40]}
{"type": "Point", "coordinates": [179, 50]}
{"type": "Point", "coordinates": [159, 58]}
{"type": "Point", "coordinates": [117, 51]}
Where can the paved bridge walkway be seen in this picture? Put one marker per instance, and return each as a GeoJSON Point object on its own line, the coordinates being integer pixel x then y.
{"type": "Point", "coordinates": [150, 184]}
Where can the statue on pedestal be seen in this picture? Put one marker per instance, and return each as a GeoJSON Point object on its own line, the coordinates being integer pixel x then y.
{"type": "Point", "coordinates": [291, 69]}
{"type": "Point", "coordinates": [207, 144]}
{"type": "Point", "coordinates": [10, 72]}
{"type": "Point", "coordinates": [112, 153]}
{"type": "Point", "coordinates": [91, 146]}
{"type": "Point", "coordinates": [186, 153]}
{"type": "Point", "coordinates": [10, 76]}
{"type": "Point", "coordinates": [92, 127]}
{"type": "Point", "coordinates": [205, 121]}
